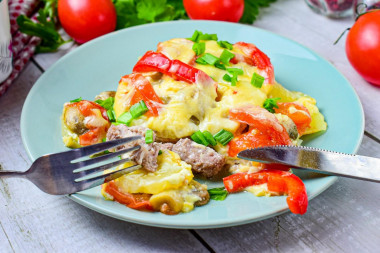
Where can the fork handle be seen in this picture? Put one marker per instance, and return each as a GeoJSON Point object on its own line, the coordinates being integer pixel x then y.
{"type": "Point", "coordinates": [10, 173]}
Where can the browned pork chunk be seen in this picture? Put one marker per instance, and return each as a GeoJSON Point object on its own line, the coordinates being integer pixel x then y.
{"type": "Point", "coordinates": [204, 161]}
{"type": "Point", "coordinates": [146, 155]}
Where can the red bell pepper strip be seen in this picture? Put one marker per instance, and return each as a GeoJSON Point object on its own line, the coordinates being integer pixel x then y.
{"type": "Point", "coordinates": [86, 108]}
{"type": "Point", "coordinates": [298, 113]}
{"type": "Point", "coordinates": [278, 181]}
{"type": "Point", "coordinates": [139, 201]}
{"type": "Point", "coordinates": [153, 61]}
{"type": "Point", "coordinates": [143, 90]}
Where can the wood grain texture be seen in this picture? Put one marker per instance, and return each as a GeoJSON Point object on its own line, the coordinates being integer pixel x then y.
{"type": "Point", "coordinates": [344, 218]}
{"type": "Point", "coordinates": [32, 221]}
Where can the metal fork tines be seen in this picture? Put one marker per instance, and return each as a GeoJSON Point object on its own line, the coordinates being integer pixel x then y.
{"type": "Point", "coordinates": [67, 172]}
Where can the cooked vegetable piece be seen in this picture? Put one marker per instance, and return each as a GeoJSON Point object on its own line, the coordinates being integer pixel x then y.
{"type": "Point", "coordinates": [281, 182]}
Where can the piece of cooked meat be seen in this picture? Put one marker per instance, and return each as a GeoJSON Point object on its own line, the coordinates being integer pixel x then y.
{"type": "Point", "coordinates": [146, 155]}
{"type": "Point", "coordinates": [204, 160]}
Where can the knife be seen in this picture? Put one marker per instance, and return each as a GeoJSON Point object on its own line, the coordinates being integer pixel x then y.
{"type": "Point", "coordinates": [317, 160]}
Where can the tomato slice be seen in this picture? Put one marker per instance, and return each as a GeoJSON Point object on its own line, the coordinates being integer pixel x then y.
{"type": "Point", "coordinates": [278, 181]}
{"type": "Point", "coordinates": [298, 113]}
{"type": "Point", "coordinates": [97, 132]}
{"type": "Point", "coordinates": [255, 57]}
{"type": "Point", "coordinates": [86, 108]}
{"type": "Point", "coordinates": [93, 136]}
{"type": "Point", "coordinates": [139, 201]}
{"type": "Point", "coordinates": [143, 90]}
{"type": "Point", "coordinates": [265, 129]}
{"type": "Point", "coordinates": [153, 61]}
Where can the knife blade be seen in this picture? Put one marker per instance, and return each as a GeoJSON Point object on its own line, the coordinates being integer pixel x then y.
{"type": "Point", "coordinates": [317, 160]}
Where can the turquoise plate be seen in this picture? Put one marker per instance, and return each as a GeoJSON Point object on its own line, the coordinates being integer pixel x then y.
{"type": "Point", "coordinates": [98, 65]}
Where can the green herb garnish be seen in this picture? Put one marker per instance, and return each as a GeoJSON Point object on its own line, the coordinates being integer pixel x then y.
{"type": "Point", "coordinates": [199, 138]}
{"type": "Point", "coordinates": [107, 103]}
{"type": "Point", "coordinates": [271, 103]}
{"type": "Point", "coordinates": [218, 193]}
{"type": "Point", "coordinates": [149, 136]}
{"type": "Point", "coordinates": [224, 137]}
{"type": "Point", "coordinates": [199, 48]}
{"type": "Point", "coordinates": [76, 100]}
{"type": "Point", "coordinates": [226, 56]}
{"type": "Point", "coordinates": [225, 44]}
{"type": "Point", "coordinates": [134, 112]}
{"type": "Point", "coordinates": [207, 59]}
{"type": "Point", "coordinates": [257, 80]}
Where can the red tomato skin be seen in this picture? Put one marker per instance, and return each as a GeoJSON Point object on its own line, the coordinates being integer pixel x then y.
{"type": "Point", "coordinates": [85, 20]}
{"type": "Point", "coordinates": [223, 10]}
{"type": "Point", "coordinates": [363, 46]}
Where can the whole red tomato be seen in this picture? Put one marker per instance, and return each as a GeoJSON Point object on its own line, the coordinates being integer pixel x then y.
{"type": "Point", "coordinates": [84, 20]}
{"type": "Point", "coordinates": [224, 10]}
{"type": "Point", "coordinates": [363, 46]}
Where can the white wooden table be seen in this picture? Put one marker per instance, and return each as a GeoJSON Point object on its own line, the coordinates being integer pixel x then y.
{"type": "Point", "coordinates": [344, 218]}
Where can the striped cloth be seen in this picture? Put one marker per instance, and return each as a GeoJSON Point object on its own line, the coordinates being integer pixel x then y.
{"type": "Point", "coordinates": [23, 46]}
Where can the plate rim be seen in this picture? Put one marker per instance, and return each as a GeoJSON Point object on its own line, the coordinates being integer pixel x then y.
{"type": "Point", "coordinates": [76, 197]}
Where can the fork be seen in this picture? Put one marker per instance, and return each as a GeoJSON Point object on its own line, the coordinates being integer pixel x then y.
{"type": "Point", "coordinates": [66, 173]}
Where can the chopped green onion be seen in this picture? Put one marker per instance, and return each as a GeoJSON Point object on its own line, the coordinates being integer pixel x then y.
{"type": "Point", "coordinates": [115, 123]}
{"type": "Point", "coordinates": [160, 152]}
{"type": "Point", "coordinates": [138, 109]}
{"type": "Point", "coordinates": [199, 48]}
{"type": "Point", "coordinates": [271, 103]}
{"type": "Point", "coordinates": [226, 56]}
{"type": "Point", "coordinates": [225, 44]}
{"type": "Point", "coordinates": [125, 118]}
{"type": "Point", "coordinates": [198, 35]}
{"type": "Point", "coordinates": [218, 193]}
{"type": "Point", "coordinates": [257, 80]}
{"type": "Point", "coordinates": [207, 59]}
{"type": "Point", "coordinates": [227, 78]}
{"type": "Point", "coordinates": [149, 136]}
{"type": "Point", "coordinates": [236, 71]}
{"type": "Point", "coordinates": [195, 36]}
{"type": "Point", "coordinates": [107, 103]}
{"type": "Point", "coordinates": [220, 66]}
{"type": "Point", "coordinates": [207, 36]}
{"type": "Point", "coordinates": [209, 137]}
{"type": "Point", "coordinates": [232, 79]}
{"type": "Point", "coordinates": [134, 112]}
{"type": "Point", "coordinates": [224, 137]}
{"type": "Point", "coordinates": [76, 100]}
{"type": "Point", "coordinates": [104, 140]}
{"type": "Point", "coordinates": [111, 115]}
{"type": "Point", "coordinates": [199, 138]}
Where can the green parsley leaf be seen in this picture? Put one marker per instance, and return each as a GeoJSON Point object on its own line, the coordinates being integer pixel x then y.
{"type": "Point", "coordinates": [218, 193]}
{"type": "Point", "coordinates": [226, 56]}
{"type": "Point", "coordinates": [271, 103]}
{"type": "Point", "coordinates": [76, 100]}
{"type": "Point", "coordinates": [199, 48]}
{"type": "Point", "coordinates": [225, 44]}
{"type": "Point", "coordinates": [251, 9]}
